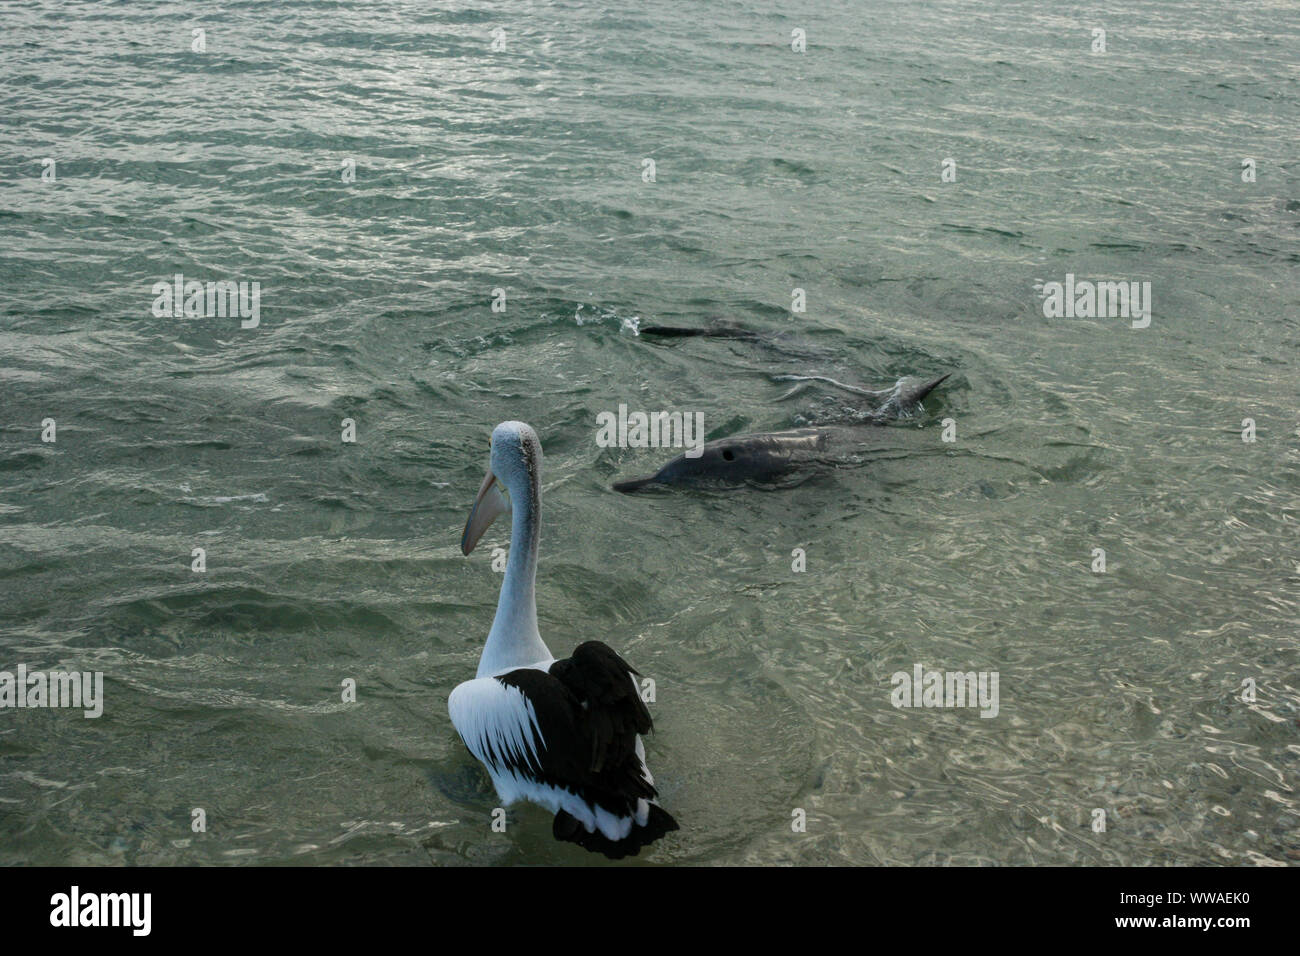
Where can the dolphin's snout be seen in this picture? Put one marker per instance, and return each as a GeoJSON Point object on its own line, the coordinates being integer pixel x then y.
{"type": "Point", "coordinates": [633, 484]}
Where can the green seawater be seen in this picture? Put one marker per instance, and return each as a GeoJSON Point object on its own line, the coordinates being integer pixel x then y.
{"type": "Point", "coordinates": [523, 169]}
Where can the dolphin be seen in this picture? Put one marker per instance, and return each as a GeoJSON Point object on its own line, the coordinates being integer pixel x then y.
{"type": "Point", "coordinates": [767, 456]}
{"type": "Point", "coordinates": [719, 330]}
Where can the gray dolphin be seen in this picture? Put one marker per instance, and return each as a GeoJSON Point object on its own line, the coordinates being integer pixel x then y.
{"type": "Point", "coordinates": [767, 456]}
{"type": "Point", "coordinates": [719, 330]}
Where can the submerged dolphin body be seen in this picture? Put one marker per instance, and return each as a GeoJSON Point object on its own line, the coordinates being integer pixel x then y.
{"type": "Point", "coordinates": [717, 331]}
{"type": "Point", "coordinates": [767, 456]}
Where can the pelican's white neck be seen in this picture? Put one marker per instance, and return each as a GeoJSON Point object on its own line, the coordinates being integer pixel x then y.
{"type": "Point", "coordinates": [514, 640]}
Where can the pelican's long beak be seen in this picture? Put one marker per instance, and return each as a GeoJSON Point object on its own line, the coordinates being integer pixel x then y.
{"type": "Point", "coordinates": [489, 503]}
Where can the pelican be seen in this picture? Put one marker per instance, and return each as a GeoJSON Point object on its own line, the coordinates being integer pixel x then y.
{"type": "Point", "coordinates": [565, 734]}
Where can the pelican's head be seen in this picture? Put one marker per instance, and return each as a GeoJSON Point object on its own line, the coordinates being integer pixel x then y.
{"type": "Point", "coordinates": [515, 463]}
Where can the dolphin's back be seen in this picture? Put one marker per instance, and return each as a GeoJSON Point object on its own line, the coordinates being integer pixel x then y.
{"type": "Point", "coordinates": [768, 455]}
{"type": "Point", "coordinates": [741, 458]}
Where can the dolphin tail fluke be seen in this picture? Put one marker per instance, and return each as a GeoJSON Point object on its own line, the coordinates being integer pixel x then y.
{"type": "Point", "coordinates": [913, 396]}
{"type": "Point", "coordinates": [907, 400]}
{"type": "Point", "coordinates": [633, 484]}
